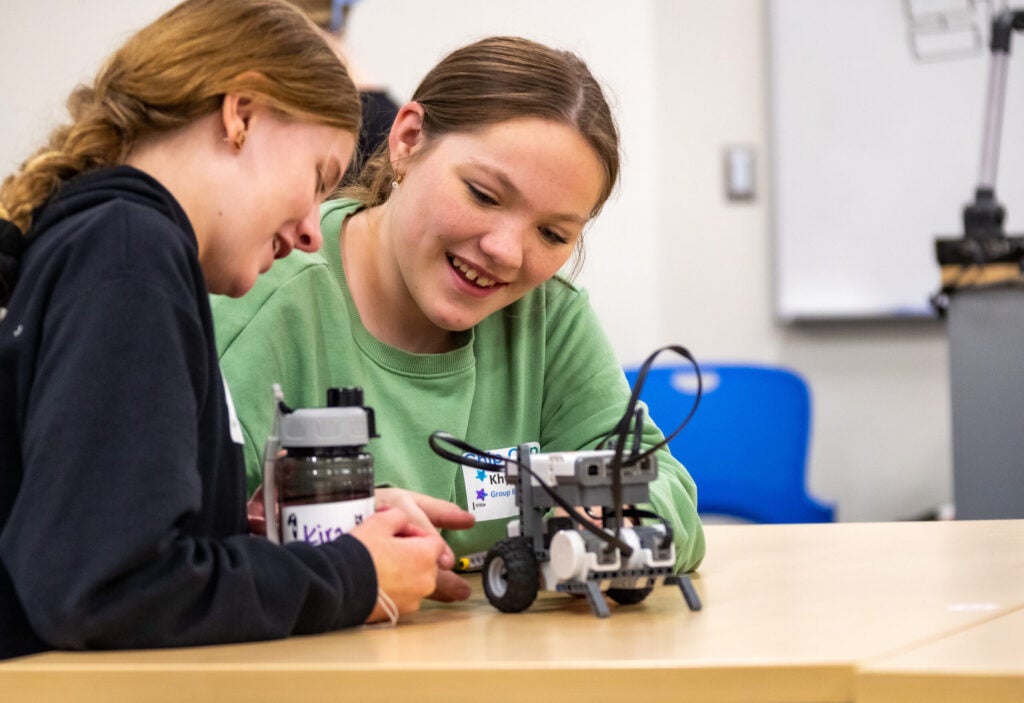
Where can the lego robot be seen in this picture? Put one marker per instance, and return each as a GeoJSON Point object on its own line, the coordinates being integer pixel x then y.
{"type": "Point", "coordinates": [580, 553]}
{"type": "Point", "coordinates": [575, 553]}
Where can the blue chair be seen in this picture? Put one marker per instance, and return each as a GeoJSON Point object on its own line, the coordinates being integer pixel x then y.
{"type": "Point", "coordinates": [746, 446]}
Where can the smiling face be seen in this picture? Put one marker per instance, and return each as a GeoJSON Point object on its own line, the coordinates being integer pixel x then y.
{"type": "Point", "coordinates": [482, 218]}
{"type": "Point", "coordinates": [283, 171]}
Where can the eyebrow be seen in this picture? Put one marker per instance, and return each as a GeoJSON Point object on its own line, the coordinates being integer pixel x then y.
{"type": "Point", "coordinates": [507, 183]}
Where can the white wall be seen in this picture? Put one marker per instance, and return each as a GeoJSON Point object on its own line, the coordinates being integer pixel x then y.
{"type": "Point", "coordinates": [48, 48]}
{"type": "Point", "coordinates": [617, 44]}
{"type": "Point", "coordinates": [670, 259]}
{"type": "Point", "coordinates": [881, 444]}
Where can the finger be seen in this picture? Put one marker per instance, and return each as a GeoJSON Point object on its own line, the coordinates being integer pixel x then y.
{"type": "Point", "coordinates": [415, 536]}
{"type": "Point", "coordinates": [257, 525]}
{"type": "Point", "coordinates": [255, 506]}
{"type": "Point", "coordinates": [403, 499]}
{"type": "Point", "coordinates": [411, 529]}
{"type": "Point", "coordinates": [450, 587]}
{"type": "Point", "coordinates": [443, 513]}
{"type": "Point", "coordinates": [394, 520]}
{"type": "Point", "coordinates": [255, 513]}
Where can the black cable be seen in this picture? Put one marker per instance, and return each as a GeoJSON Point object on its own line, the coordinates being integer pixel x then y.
{"type": "Point", "coordinates": [622, 428]}
{"type": "Point", "coordinates": [499, 464]}
{"type": "Point", "coordinates": [621, 432]}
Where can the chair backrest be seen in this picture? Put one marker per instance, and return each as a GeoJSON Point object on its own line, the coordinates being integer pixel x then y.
{"type": "Point", "coordinates": [746, 446]}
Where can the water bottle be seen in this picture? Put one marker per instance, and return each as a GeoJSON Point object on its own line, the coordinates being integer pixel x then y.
{"type": "Point", "coordinates": [317, 476]}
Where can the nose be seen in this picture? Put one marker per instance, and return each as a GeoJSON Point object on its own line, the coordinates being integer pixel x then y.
{"type": "Point", "coordinates": [503, 245]}
{"type": "Point", "coordinates": [307, 234]}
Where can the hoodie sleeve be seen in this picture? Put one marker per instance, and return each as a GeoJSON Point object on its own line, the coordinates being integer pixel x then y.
{"type": "Point", "coordinates": [120, 533]}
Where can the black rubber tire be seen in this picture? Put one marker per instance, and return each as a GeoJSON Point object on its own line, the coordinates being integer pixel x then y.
{"type": "Point", "coordinates": [511, 575]}
{"type": "Point", "coordinates": [628, 596]}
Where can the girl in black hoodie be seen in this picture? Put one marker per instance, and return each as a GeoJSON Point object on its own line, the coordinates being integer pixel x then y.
{"type": "Point", "coordinates": [200, 154]}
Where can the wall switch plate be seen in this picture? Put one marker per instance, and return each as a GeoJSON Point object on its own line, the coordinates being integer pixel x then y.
{"type": "Point", "coordinates": [740, 172]}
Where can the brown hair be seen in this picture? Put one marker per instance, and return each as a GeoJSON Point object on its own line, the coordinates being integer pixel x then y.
{"type": "Point", "coordinates": [320, 11]}
{"type": "Point", "coordinates": [497, 79]}
{"type": "Point", "coordinates": [177, 70]}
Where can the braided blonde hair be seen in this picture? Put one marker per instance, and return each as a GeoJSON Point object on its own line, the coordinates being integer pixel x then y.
{"type": "Point", "coordinates": [177, 70]}
{"type": "Point", "coordinates": [171, 73]}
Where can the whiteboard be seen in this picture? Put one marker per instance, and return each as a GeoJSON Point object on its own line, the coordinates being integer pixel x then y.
{"type": "Point", "coordinates": [874, 154]}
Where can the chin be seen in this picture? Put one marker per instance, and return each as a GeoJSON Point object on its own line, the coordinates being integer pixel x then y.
{"type": "Point", "coordinates": [460, 323]}
{"type": "Point", "coordinates": [240, 287]}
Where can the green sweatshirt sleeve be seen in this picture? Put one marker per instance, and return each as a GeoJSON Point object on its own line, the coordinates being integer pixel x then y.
{"type": "Point", "coordinates": [586, 393]}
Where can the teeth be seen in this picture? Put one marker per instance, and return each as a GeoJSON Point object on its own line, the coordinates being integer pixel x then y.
{"type": "Point", "coordinates": [472, 274]}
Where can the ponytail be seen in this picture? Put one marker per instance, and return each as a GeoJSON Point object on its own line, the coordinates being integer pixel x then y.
{"type": "Point", "coordinates": [168, 75]}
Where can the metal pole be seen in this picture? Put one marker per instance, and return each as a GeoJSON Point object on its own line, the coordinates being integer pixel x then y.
{"type": "Point", "coordinates": [993, 119]}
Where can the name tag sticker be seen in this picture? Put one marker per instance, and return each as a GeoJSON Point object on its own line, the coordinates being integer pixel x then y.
{"type": "Point", "coordinates": [489, 495]}
{"type": "Point", "coordinates": [234, 426]}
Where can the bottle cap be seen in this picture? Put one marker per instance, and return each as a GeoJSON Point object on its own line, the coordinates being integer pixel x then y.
{"type": "Point", "coordinates": [325, 427]}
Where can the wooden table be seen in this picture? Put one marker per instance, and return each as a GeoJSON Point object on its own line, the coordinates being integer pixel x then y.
{"type": "Point", "coordinates": [981, 663]}
{"type": "Point", "coordinates": [790, 613]}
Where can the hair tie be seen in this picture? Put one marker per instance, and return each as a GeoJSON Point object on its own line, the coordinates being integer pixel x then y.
{"type": "Point", "coordinates": [388, 606]}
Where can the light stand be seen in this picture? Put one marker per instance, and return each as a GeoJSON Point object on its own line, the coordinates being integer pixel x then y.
{"type": "Point", "coordinates": [983, 298]}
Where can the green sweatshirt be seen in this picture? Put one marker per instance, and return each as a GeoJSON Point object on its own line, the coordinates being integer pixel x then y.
{"type": "Point", "coordinates": [540, 370]}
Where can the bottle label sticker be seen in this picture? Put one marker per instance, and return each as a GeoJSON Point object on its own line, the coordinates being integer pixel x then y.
{"type": "Point", "coordinates": [319, 523]}
{"type": "Point", "coordinates": [489, 495]}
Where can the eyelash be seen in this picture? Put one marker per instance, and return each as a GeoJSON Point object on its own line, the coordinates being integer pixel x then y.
{"type": "Point", "coordinates": [484, 199]}
{"type": "Point", "coordinates": [553, 236]}
{"type": "Point", "coordinates": [480, 196]}
{"type": "Point", "coordinates": [323, 190]}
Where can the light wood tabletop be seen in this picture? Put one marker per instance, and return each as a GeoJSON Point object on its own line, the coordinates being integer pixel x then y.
{"type": "Point", "coordinates": [790, 613]}
{"type": "Point", "coordinates": [982, 663]}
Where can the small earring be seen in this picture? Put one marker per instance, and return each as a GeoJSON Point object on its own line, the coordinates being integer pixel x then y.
{"type": "Point", "coordinates": [395, 183]}
{"type": "Point", "coordinates": [238, 141]}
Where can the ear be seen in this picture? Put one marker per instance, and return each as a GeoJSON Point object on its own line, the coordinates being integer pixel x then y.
{"type": "Point", "coordinates": [236, 112]}
{"type": "Point", "coordinates": [406, 136]}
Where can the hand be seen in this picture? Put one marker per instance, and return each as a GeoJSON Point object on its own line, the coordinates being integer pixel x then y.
{"type": "Point", "coordinates": [254, 509]}
{"type": "Point", "coordinates": [430, 514]}
{"type": "Point", "coordinates": [595, 515]}
{"type": "Point", "coordinates": [404, 556]}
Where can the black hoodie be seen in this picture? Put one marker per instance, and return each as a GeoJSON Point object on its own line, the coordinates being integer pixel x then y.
{"type": "Point", "coordinates": [122, 493]}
